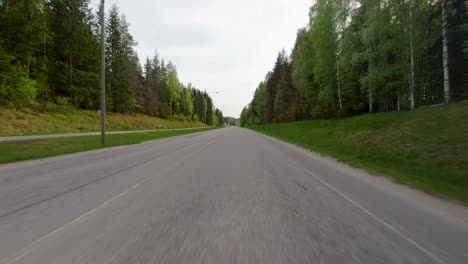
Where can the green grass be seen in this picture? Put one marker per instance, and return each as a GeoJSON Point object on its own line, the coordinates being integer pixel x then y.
{"type": "Point", "coordinates": [33, 149]}
{"type": "Point", "coordinates": [47, 118]}
{"type": "Point", "coordinates": [426, 149]}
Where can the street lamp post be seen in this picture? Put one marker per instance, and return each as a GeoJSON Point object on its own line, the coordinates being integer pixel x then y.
{"type": "Point", "coordinates": [206, 100]}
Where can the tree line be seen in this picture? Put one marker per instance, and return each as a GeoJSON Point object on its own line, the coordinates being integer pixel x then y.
{"type": "Point", "coordinates": [358, 56]}
{"type": "Point", "coordinates": [50, 51]}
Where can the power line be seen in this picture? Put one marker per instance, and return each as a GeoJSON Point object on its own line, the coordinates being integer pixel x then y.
{"type": "Point", "coordinates": [42, 51]}
{"type": "Point", "coordinates": [138, 46]}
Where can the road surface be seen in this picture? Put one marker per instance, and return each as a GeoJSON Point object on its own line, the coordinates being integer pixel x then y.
{"type": "Point", "coordinates": [33, 137]}
{"type": "Point", "coordinates": [222, 196]}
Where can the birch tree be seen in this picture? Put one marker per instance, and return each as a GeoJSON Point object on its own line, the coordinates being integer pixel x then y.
{"type": "Point", "coordinates": [445, 52]}
{"type": "Point", "coordinates": [411, 48]}
{"type": "Point", "coordinates": [340, 25]}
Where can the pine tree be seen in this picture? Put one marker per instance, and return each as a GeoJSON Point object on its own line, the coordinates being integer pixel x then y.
{"type": "Point", "coordinates": [74, 67]}
{"type": "Point", "coordinates": [119, 52]}
{"type": "Point", "coordinates": [151, 86]}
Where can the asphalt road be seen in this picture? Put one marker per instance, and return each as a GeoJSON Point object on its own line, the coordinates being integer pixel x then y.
{"type": "Point", "coordinates": [222, 196]}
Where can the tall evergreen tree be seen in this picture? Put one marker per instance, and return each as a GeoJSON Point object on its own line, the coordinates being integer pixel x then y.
{"type": "Point", "coordinates": [209, 110]}
{"type": "Point", "coordinates": [119, 52]}
{"type": "Point", "coordinates": [74, 67]}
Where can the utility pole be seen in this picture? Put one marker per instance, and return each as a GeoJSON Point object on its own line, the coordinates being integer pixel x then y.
{"type": "Point", "coordinates": [103, 77]}
{"type": "Point", "coordinates": [70, 50]}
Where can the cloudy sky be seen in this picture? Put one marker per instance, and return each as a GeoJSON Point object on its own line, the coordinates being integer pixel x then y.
{"type": "Point", "coordinates": [217, 45]}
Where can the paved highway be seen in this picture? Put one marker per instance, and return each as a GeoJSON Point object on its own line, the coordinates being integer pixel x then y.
{"type": "Point", "coordinates": [222, 196]}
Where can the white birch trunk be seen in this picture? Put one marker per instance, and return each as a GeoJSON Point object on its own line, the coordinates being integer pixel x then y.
{"type": "Point", "coordinates": [338, 81]}
{"type": "Point", "coordinates": [339, 49]}
{"type": "Point", "coordinates": [412, 82]}
{"type": "Point", "coordinates": [445, 59]}
{"type": "Point", "coordinates": [369, 70]}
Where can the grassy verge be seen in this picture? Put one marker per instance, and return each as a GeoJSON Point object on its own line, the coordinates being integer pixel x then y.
{"type": "Point", "coordinates": [47, 118]}
{"type": "Point", "coordinates": [427, 148]}
{"type": "Point", "coordinates": [33, 149]}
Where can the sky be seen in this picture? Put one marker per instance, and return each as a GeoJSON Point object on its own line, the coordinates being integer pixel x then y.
{"type": "Point", "coordinates": [219, 46]}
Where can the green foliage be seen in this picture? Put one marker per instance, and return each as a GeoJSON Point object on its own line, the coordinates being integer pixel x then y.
{"type": "Point", "coordinates": [51, 50]}
{"type": "Point", "coordinates": [258, 103]}
{"type": "Point", "coordinates": [209, 110]}
{"type": "Point", "coordinates": [199, 105]}
{"type": "Point", "coordinates": [302, 73]}
{"type": "Point", "coordinates": [218, 117]}
{"type": "Point", "coordinates": [464, 28]}
{"type": "Point", "coordinates": [355, 57]}
{"type": "Point", "coordinates": [17, 87]}
{"type": "Point", "coordinates": [23, 41]}
{"type": "Point", "coordinates": [231, 121]}
{"type": "Point", "coordinates": [244, 117]}
{"type": "Point", "coordinates": [174, 88]}
{"type": "Point", "coordinates": [73, 69]}
{"type": "Point", "coordinates": [64, 101]}
{"type": "Point", "coordinates": [275, 99]}
{"type": "Point", "coordinates": [187, 102]}
{"type": "Point", "coordinates": [324, 34]}
{"type": "Point", "coordinates": [119, 46]}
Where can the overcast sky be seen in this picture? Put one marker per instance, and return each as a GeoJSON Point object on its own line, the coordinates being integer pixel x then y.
{"type": "Point", "coordinates": [217, 45]}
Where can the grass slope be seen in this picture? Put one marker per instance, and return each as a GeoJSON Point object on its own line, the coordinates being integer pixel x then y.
{"type": "Point", "coordinates": [33, 149]}
{"type": "Point", "coordinates": [427, 148]}
{"type": "Point", "coordinates": [54, 119]}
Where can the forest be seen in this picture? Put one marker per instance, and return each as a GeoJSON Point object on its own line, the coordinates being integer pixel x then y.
{"type": "Point", "coordinates": [50, 52]}
{"type": "Point", "coordinates": [360, 56]}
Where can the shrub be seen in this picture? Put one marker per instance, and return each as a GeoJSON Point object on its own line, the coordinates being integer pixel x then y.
{"type": "Point", "coordinates": [16, 87]}
{"type": "Point", "coordinates": [61, 100]}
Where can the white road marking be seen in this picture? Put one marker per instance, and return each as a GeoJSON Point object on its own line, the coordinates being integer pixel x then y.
{"type": "Point", "coordinates": [210, 142]}
{"type": "Point", "coordinates": [373, 216]}
{"type": "Point", "coordinates": [54, 234]}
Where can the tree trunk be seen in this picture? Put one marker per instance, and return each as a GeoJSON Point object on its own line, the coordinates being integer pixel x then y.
{"type": "Point", "coordinates": [398, 101]}
{"type": "Point", "coordinates": [369, 70]}
{"type": "Point", "coordinates": [445, 59]}
{"type": "Point", "coordinates": [339, 50]}
{"type": "Point", "coordinates": [338, 81]}
{"type": "Point", "coordinates": [412, 82]}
